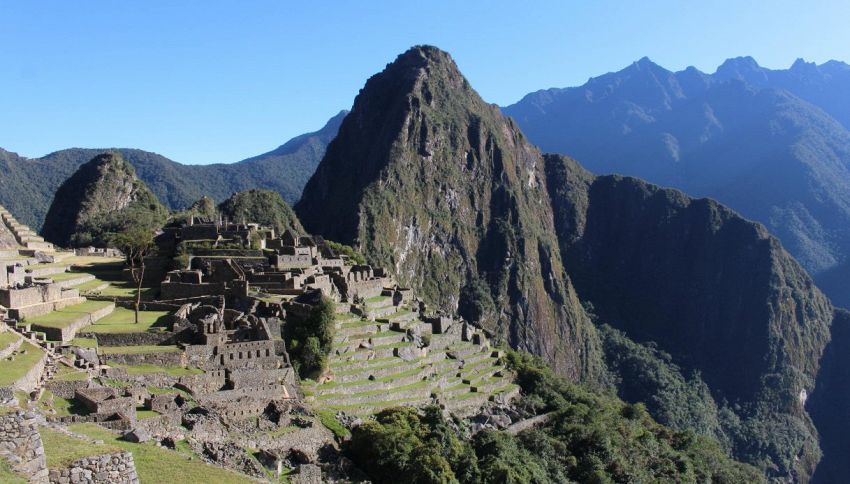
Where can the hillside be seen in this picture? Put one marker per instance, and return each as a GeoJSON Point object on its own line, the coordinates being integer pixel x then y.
{"type": "Point", "coordinates": [103, 197]}
{"type": "Point", "coordinates": [433, 182]}
{"type": "Point", "coordinates": [768, 143]}
{"type": "Point", "coordinates": [264, 207]}
{"type": "Point", "coordinates": [29, 184]}
{"type": "Point", "coordinates": [429, 180]}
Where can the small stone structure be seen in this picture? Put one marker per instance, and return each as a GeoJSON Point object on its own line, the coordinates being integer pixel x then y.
{"type": "Point", "coordinates": [21, 446]}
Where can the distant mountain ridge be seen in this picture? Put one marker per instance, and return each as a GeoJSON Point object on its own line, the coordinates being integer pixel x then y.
{"type": "Point", "coordinates": [772, 144]}
{"type": "Point", "coordinates": [28, 185]}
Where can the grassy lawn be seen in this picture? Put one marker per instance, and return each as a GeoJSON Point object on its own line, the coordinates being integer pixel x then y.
{"type": "Point", "coordinates": [168, 370]}
{"type": "Point", "coordinates": [65, 316]}
{"type": "Point", "coordinates": [7, 338]}
{"type": "Point", "coordinates": [90, 285]}
{"type": "Point", "coordinates": [14, 370]}
{"type": "Point", "coordinates": [137, 350]}
{"type": "Point", "coordinates": [142, 413]}
{"type": "Point", "coordinates": [9, 477]}
{"type": "Point", "coordinates": [122, 321]}
{"type": "Point", "coordinates": [67, 276]}
{"type": "Point", "coordinates": [65, 373]}
{"type": "Point", "coordinates": [84, 342]}
{"type": "Point", "coordinates": [60, 450]}
{"type": "Point", "coordinates": [157, 465]}
{"type": "Point", "coordinates": [62, 406]}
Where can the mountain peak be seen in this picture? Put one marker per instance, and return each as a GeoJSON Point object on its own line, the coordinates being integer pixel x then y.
{"type": "Point", "coordinates": [737, 67]}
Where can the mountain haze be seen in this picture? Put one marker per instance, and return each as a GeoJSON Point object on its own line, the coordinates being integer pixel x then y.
{"type": "Point", "coordinates": [768, 143]}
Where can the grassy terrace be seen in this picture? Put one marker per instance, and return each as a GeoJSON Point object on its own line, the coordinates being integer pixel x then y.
{"type": "Point", "coordinates": [67, 276]}
{"type": "Point", "coordinates": [122, 321]}
{"type": "Point", "coordinates": [7, 338]}
{"type": "Point", "coordinates": [22, 361]}
{"type": "Point", "coordinates": [84, 342]}
{"type": "Point", "coordinates": [157, 465]}
{"type": "Point", "coordinates": [65, 373]}
{"type": "Point", "coordinates": [60, 449]}
{"type": "Point", "coordinates": [64, 317]}
{"type": "Point", "coordinates": [137, 350]}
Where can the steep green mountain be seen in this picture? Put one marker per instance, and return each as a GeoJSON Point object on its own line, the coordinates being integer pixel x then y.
{"type": "Point", "coordinates": [29, 184]}
{"type": "Point", "coordinates": [102, 198]}
{"type": "Point", "coordinates": [435, 184]}
{"type": "Point", "coordinates": [829, 405]}
{"type": "Point", "coordinates": [763, 142]}
{"type": "Point", "coordinates": [707, 318]}
{"type": "Point", "coordinates": [715, 292]}
{"type": "Point", "coordinates": [264, 207]}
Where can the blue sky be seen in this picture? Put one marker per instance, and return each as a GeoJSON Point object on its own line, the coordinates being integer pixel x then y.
{"type": "Point", "coordinates": [209, 81]}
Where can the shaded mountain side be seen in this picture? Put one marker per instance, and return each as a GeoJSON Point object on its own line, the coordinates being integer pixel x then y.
{"type": "Point", "coordinates": [264, 207]}
{"type": "Point", "coordinates": [829, 405]}
{"type": "Point", "coordinates": [745, 136]}
{"type": "Point", "coordinates": [716, 292]}
{"type": "Point", "coordinates": [29, 184]}
{"type": "Point", "coordinates": [102, 198]}
{"type": "Point", "coordinates": [433, 183]}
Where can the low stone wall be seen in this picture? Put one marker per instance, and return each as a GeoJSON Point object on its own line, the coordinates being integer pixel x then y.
{"type": "Point", "coordinates": [21, 446]}
{"type": "Point", "coordinates": [67, 389]}
{"type": "Point", "coordinates": [117, 468]}
{"type": "Point", "coordinates": [76, 281]}
{"type": "Point", "coordinates": [160, 359]}
{"type": "Point", "coordinates": [134, 339]}
{"type": "Point", "coordinates": [68, 332]}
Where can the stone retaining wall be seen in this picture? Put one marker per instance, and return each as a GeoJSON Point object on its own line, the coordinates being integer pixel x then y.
{"type": "Point", "coordinates": [159, 359]}
{"type": "Point", "coordinates": [21, 446]}
{"type": "Point", "coordinates": [134, 339]}
{"type": "Point", "coordinates": [117, 468]}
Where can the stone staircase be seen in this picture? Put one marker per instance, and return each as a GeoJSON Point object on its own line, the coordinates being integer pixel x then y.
{"type": "Point", "coordinates": [378, 360]}
{"type": "Point", "coordinates": [25, 236]}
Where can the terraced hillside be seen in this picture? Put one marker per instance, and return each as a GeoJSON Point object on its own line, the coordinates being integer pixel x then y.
{"type": "Point", "coordinates": [387, 355]}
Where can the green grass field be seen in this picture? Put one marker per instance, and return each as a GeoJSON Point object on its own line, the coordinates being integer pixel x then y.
{"type": "Point", "coordinates": [14, 370]}
{"type": "Point", "coordinates": [156, 465]}
{"type": "Point", "coordinates": [67, 276]}
{"type": "Point", "coordinates": [122, 320]}
{"type": "Point", "coordinates": [7, 338]}
{"type": "Point", "coordinates": [65, 316]}
{"type": "Point", "coordinates": [65, 373]}
{"type": "Point", "coordinates": [9, 477]}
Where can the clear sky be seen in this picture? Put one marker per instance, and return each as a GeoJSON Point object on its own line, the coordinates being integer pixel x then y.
{"type": "Point", "coordinates": [213, 81]}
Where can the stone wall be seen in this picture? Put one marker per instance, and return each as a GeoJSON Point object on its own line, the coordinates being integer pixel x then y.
{"type": "Point", "coordinates": [67, 389]}
{"type": "Point", "coordinates": [160, 359]}
{"type": "Point", "coordinates": [179, 290]}
{"type": "Point", "coordinates": [117, 468]}
{"type": "Point", "coordinates": [134, 339]}
{"type": "Point", "coordinates": [20, 445]}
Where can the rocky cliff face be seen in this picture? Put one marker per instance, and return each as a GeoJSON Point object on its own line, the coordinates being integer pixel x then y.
{"type": "Point", "coordinates": [103, 196]}
{"type": "Point", "coordinates": [715, 291]}
{"type": "Point", "coordinates": [434, 183]}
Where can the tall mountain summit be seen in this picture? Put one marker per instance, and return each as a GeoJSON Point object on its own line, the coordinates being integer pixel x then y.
{"type": "Point", "coordinates": [435, 184]}
{"type": "Point", "coordinates": [772, 144]}
{"type": "Point", "coordinates": [102, 197]}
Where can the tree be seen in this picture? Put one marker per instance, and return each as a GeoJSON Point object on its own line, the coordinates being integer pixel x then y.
{"type": "Point", "coordinates": [136, 243]}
